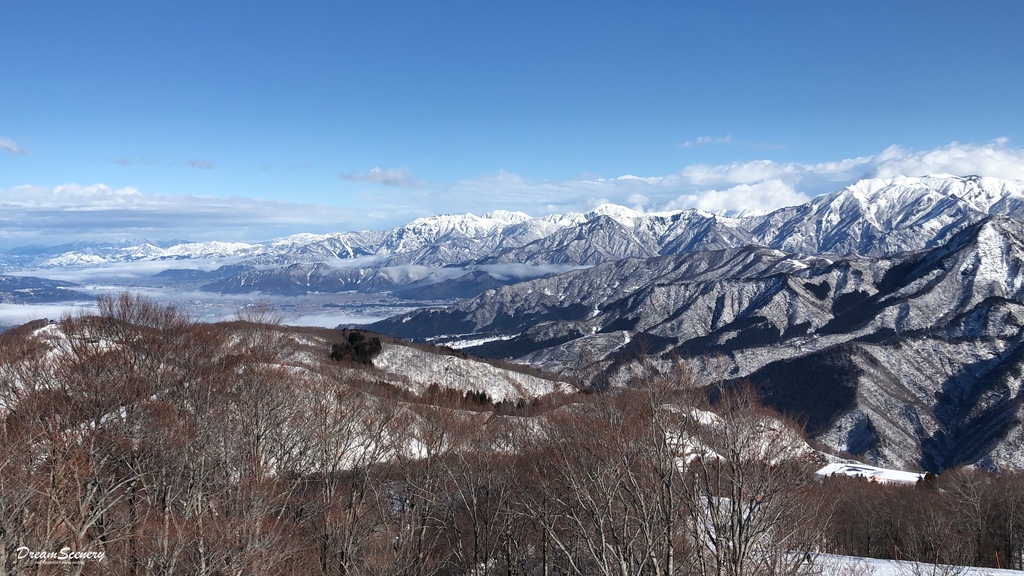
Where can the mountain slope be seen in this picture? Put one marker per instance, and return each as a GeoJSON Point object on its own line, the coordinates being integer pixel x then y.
{"type": "Point", "coordinates": [31, 290]}
{"type": "Point", "coordinates": [879, 217]}
{"type": "Point", "coordinates": [914, 355]}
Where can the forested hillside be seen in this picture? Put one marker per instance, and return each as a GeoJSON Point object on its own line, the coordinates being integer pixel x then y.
{"type": "Point", "coordinates": [151, 444]}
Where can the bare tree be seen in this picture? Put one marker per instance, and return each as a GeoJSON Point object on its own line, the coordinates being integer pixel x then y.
{"type": "Point", "coordinates": [23, 405]}
{"type": "Point", "coordinates": [349, 438]}
{"type": "Point", "coordinates": [753, 506]}
{"type": "Point", "coordinates": [608, 497]}
{"type": "Point", "coordinates": [477, 476]}
{"type": "Point", "coordinates": [418, 509]}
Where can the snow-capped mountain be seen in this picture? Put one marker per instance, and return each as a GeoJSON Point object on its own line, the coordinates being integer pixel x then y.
{"type": "Point", "coordinates": [879, 217]}
{"type": "Point", "coordinates": [872, 217]}
{"type": "Point", "coordinates": [890, 314]}
{"type": "Point", "coordinates": [410, 238]}
{"type": "Point", "coordinates": [148, 252]}
{"type": "Point", "coordinates": [455, 256]}
{"type": "Point", "coordinates": [910, 359]}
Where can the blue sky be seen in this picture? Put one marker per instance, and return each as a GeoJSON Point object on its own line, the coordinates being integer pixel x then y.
{"type": "Point", "coordinates": [250, 120]}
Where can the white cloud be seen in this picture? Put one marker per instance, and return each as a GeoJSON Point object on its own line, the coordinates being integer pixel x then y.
{"type": "Point", "coordinates": [331, 319]}
{"type": "Point", "coordinates": [68, 196]}
{"type": "Point", "coordinates": [525, 271]}
{"type": "Point", "coordinates": [384, 177]}
{"type": "Point", "coordinates": [759, 197]}
{"type": "Point", "coordinates": [17, 314]}
{"type": "Point", "coordinates": [8, 145]}
{"type": "Point", "coordinates": [995, 159]}
{"type": "Point", "coordinates": [97, 212]}
{"type": "Point", "coordinates": [32, 214]}
{"type": "Point", "coordinates": [637, 201]}
{"type": "Point", "coordinates": [701, 140]}
{"type": "Point", "coordinates": [758, 185]}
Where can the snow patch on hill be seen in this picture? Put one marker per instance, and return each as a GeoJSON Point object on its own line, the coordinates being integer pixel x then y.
{"type": "Point", "coordinates": [418, 370]}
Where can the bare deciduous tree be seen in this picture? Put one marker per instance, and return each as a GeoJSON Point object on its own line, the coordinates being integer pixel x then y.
{"type": "Point", "coordinates": [754, 508]}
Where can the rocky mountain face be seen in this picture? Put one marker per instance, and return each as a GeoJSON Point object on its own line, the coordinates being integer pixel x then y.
{"type": "Point", "coordinates": [909, 359]}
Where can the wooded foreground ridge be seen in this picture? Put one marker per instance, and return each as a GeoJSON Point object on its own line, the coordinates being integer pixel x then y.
{"type": "Point", "coordinates": [160, 445]}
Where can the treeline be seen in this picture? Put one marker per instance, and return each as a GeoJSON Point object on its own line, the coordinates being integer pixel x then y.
{"type": "Point", "coordinates": [962, 517]}
{"type": "Point", "coordinates": [182, 448]}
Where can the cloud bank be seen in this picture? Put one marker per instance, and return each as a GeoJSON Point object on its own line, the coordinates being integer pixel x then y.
{"type": "Point", "coordinates": [72, 212]}
{"type": "Point", "coordinates": [736, 188]}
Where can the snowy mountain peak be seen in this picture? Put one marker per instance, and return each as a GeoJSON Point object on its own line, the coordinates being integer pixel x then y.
{"type": "Point", "coordinates": [990, 195]}
{"type": "Point", "coordinates": [469, 224]}
{"type": "Point", "coordinates": [623, 215]}
{"type": "Point", "coordinates": [508, 216]}
{"type": "Point", "coordinates": [871, 217]}
{"type": "Point", "coordinates": [901, 202]}
{"type": "Point", "coordinates": [147, 251]}
{"type": "Point", "coordinates": [980, 193]}
{"type": "Point", "coordinates": [303, 238]}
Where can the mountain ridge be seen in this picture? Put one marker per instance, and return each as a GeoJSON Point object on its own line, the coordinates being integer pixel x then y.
{"type": "Point", "coordinates": [920, 211]}
{"type": "Point", "coordinates": [925, 343]}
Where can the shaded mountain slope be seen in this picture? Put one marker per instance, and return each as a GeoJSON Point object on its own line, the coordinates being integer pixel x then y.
{"type": "Point", "coordinates": [915, 354]}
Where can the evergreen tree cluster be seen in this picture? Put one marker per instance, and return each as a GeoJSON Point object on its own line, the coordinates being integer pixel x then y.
{"type": "Point", "coordinates": [356, 348]}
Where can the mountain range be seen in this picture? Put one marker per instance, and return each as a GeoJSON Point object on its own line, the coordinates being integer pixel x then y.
{"type": "Point", "coordinates": [870, 218]}
{"type": "Point", "coordinates": [908, 359]}
{"type": "Point", "coordinates": [887, 316]}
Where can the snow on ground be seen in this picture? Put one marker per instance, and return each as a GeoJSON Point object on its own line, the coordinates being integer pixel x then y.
{"type": "Point", "coordinates": [873, 473]}
{"type": "Point", "coordinates": [421, 369]}
{"type": "Point", "coordinates": [853, 566]}
{"type": "Point", "coordinates": [460, 344]}
{"type": "Point", "coordinates": [330, 319]}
